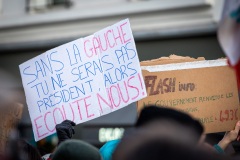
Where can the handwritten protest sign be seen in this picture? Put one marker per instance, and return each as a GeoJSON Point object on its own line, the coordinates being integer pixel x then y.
{"type": "Point", "coordinates": [83, 79]}
{"type": "Point", "coordinates": [9, 116]}
{"type": "Point", "coordinates": [205, 89]}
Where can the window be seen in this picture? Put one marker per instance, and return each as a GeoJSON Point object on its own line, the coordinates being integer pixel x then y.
{"type": "Point", "coordinates": [67, 3]}
{"type": "Point", "coordinates": [43, 5]}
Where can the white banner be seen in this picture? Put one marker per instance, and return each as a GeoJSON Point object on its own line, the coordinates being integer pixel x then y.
{"type": "Point", "coordinates": [83, 79]}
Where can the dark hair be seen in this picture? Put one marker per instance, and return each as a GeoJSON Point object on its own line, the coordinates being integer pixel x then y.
{"type": "Point", "coordinates": [165, 149]}
{"type": "Point", "coordinates": [152, 113]}
{"type": "Point", "coordinates": [29, 152]}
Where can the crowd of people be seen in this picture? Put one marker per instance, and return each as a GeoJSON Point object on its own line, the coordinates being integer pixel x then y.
{"type": "Point", "coordinates": [160, 133]}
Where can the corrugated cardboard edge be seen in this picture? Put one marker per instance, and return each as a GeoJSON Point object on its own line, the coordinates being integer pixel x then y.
{"type": "Point", "coordinates": [169, 60]}
{"type": "Point", "coordinates": [185, 65]}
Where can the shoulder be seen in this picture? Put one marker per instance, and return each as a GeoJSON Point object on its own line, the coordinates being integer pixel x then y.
{"type": "Point", "coordinates": [108, 148]}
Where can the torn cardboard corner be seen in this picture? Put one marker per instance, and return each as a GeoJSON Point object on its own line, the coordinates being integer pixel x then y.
{"type": "Point", "coordinates": [207, 90]}
{"type": "Point", "coordinates": [171, 59]}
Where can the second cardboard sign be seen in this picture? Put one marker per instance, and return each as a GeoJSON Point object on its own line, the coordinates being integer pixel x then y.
{"type": "Point", "coordinates": [205, 89]}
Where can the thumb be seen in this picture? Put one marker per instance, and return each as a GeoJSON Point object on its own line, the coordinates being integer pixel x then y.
{"type": "Point", "coordinates": [237, 127]}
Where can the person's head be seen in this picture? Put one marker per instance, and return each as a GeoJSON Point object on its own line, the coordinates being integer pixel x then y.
{"type": "Point", "coordinates": [21, 150]}
{"type": "Point", "coordinates": [164, 140]}
{"type": "Point", "coordinates": [155, 122]}
{"type": "Point", "coordinates": [151, 114]}
{"type": "Point", "coordinates": [76, 150]}
{"type": "Point", "coordinates": [30, 152]}
{"type": "Point", "coordinates": [160, 148]}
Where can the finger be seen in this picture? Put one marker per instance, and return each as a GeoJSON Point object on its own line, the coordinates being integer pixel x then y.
{"type": "Point", "coordinates": [73, 124]}
{"type": "Point", "coordinates": [69, 132]}
{"type": "Point", "coordinates": [73, 131]}
{"type": "Point", "coordinates": [238, 137]}
{"type": "Point", "coordinates": [59, 126]}
{"type": "Point", "coordinates": [237, 127]}
{"type": "Point", "coordinates": [67, 121]}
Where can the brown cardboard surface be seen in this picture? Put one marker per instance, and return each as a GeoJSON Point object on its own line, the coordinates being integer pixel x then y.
{"type": "Point", "coordinates": [9, 116]}
{"type": "Point", "coordinates": [210, 94]}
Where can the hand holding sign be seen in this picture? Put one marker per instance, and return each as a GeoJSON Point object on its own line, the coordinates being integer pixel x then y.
{"type": "Point", "coordinates": [65, 130]}
{"type": "Point", "coordinates": [83, 79]}
{"type": "Point", "coordinates": [230, 136]}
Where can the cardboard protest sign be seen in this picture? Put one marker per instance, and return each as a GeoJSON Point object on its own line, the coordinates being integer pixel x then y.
{"type": "Point", "coordinates": [83, 79]}
{"type": "Point", "coordinates": [9, 117]}
{"type": "Point", "coordinates": [205, 89]}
